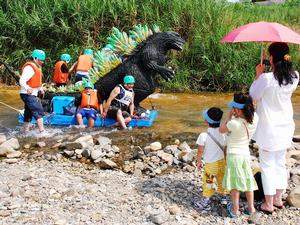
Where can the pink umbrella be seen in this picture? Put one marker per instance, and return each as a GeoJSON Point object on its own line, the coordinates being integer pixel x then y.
{"type": "Point", "coordinates": [262, 32]}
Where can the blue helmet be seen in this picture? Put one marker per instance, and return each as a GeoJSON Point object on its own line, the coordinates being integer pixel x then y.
{"type": "Point", "coordinates": [38, 54]}
{"type": "Point", "coordinates": [88, 51]}
{"type": "Point", "coordinates": [129, 79]}
{"type": "Point", "coordinates": [65, 57]}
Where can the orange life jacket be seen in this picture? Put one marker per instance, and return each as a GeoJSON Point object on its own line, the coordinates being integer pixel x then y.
{"type": "Point", "coordinates": [36, 80]}
{"type": "Point", "coordinates": [89, 100]}
{"type": "Point", "coordinates": [59, 76]}
{"type": "Point", "coordinates": [84, 63]}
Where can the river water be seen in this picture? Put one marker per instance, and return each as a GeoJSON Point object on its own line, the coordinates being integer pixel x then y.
{"type": "Point", "coordinates": [178, 112]}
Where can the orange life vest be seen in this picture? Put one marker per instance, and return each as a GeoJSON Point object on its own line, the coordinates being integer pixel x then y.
{"type": "Point", "coordinates": [89, 100]}
{"type": "Point", "coordinates": [59, 76]}
{"type": "Point", "coordinates": [84, 63]}
{"type": "Point", "coordinates": [36, 80]}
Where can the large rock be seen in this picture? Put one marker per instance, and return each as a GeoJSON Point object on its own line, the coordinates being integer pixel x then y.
{"type": "Point", "coordinates": [13, 142]}
{"type": "Point", "coordinates": [155, 146]}
{"type": "Point", "coordinates": [103, 141]}
{"type": "Point", "coordinates": [5, 149]}
{"type": "Point", "coordinates": [166, 157]}
{"type": "Point", "coordinates": [14, 154]}
{"type": "Point", "coordinates": [189, 156]}
{"type": "Point", "coordinates": [97, 154]}
{"type": "Point", "coordinates": [71, 146]}
{"type": "Point", "coordinates": [85, 141]}
{"type": "Point", "coordinates": [294, 197]}
{"type": "Point", "coordinates": [2, 138]}
{"type": "Point", "coordinates": [185, 147]}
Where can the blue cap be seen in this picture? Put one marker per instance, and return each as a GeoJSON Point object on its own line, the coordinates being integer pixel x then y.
{"type": "Point", "coordinates": [208, 119]}
{"type": "Point", "coordinates": [234, 104]}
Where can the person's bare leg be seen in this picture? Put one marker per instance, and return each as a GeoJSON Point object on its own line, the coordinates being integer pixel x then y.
{"type": "Point", "coordinates": [250, 200]}
{"type": "Point", "coordinates": [235, 197]}
{"type": "Point", "coordinates": [120, 119]}
{"type": "Point", "coordinates": [40, 123]}
{"type": "Point", "coordinates": [268, 204]}
{"type": "Point", "coordinates": [26, 126]}
{"type": "Point", "coordinates": [277, 200]}
{"type": "Point", "coordinates": [79, 119]}
{"type": "Point", "coordinates": [91, 122]}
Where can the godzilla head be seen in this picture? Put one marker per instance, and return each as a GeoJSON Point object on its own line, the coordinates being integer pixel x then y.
{"type": "Point", "coordinates": [171, 40]}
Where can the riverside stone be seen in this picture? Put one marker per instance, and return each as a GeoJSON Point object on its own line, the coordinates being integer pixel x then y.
{"type": "Point", "coordinates": [107, 164]}
{"type": "Point", "coordinates": [103, 141]}
{"type": "Point", "coordinates": [2, 138]}
{"type": "Point", "coordinates": [85, 141]}
{"type": "Point", "coordinates": [15, 154]}
{"type": "Point", "coordinates": [5, 149]}
{"type": "Point", "coordinates": [73, 145]}
{"type": "Point", "coordinates": [96, 154]}
{"type": "Point", "coordinates": [294, 197]}
{"type": "Point", "coordinates": [155, 146]}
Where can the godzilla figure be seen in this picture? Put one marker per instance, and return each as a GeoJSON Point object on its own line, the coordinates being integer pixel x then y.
{"type": "Point", "coordinates": [146, 61]}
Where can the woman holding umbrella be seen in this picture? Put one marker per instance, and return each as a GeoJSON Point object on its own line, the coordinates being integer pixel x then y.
{"type": "Point", "coordinates": [276, 126]}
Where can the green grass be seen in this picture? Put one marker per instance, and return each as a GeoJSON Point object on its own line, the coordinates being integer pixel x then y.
{"type": "Point", "coordinates": [59, 26]}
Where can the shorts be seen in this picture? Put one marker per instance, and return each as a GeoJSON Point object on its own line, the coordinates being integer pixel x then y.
{"type": "Point", "coordinates": [79, 77]}
{"type": "Point", "coordinates": [88, 113]}
{"type": "Point", "coordinates": [112, 113]}
{"type": "Point", "coordinates": [33, 107]}
{"type": "Point", "coordinates": [213, 177]}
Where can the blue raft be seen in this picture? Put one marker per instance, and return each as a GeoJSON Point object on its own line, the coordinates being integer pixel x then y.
{"type": "Point", "coordinates": [57, 118]}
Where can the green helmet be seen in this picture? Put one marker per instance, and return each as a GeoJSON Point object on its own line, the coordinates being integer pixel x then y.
{"type": "Point", "coordinates": [88, 51]}
{"type": "Point", "coordinates": [38, 54]}
{"type": "Point", "coordinates": [89, 85]}
{"type": "Point", "coordinates": [65, 57]}
{"type": "Point", "coordinates": [129, 79]}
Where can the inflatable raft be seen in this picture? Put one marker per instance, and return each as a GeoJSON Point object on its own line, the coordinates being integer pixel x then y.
{"type": "Point", "coordinates": [57, 117]}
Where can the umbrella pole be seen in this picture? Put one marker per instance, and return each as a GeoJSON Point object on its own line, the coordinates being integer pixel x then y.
{"type": "Point", "coordinates": [261, 54]}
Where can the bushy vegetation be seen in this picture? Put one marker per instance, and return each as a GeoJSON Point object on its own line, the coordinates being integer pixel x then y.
{"type": "Point", "coordinates": [59, 26]}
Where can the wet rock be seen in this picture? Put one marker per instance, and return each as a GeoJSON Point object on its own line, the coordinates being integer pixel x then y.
{"type": "Point", "coordinates": [15, 154]}
{"type": "Point", "coordinates": [155, 146]}
{"type": "Point", "coordinates": [107, 164]}
{"type": "Point", "coordinates": [2, 138]}
{"type": "Point", "coordinates": [86, 153]}
{"type": "Point", "coordinates": [103, 141]}
{"type": "Point", "coordinates": [73, 145]}
{"type": "Point", "coordinates": [294, 197]}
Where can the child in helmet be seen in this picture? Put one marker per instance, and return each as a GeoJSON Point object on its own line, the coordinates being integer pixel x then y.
{"type": "Point", "coordinates": [211, 148]}
{"type": "Point", "coordinates": [31, 84]}
{"type": "Point", "coordinates": [90, 102]}
{"type": "Point", "coordinates": [61, 71]}
{"type": "Point", "coordinates": [83, 65]}
{"type": "Point", "coordinates": [120, 104]}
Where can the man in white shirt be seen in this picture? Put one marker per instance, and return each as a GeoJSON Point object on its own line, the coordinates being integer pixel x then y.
{"type": "Point", "coordinates": [31, 84]}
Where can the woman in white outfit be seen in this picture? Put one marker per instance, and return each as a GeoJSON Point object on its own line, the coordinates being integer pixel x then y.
{"type": "Point", "coordinates": [276, 126]}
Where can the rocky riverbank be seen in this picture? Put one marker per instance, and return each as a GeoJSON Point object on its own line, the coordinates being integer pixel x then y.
{"type": "Point", "coordinates": [151, 180]}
